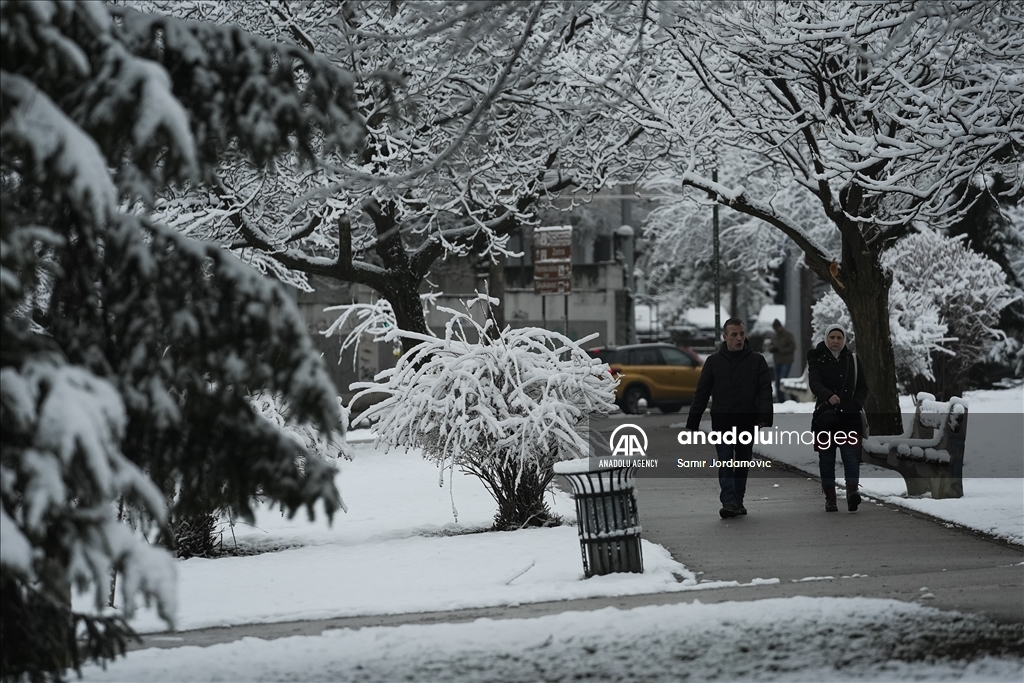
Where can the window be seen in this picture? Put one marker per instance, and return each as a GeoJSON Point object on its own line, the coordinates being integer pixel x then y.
{"type": "Point", "coordinates": [677, 357]}
{"type": "Point", "coordinates": [645, 357]}
{"type": "Point", "coordinates": [604, 355]}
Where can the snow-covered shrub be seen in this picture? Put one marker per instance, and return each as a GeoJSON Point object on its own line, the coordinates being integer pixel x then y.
{"type": "Point", "coordinates": [504, 409]}
{"type": "Point", "coordinates": [967, 289]}
{"type": "Point", "coordinates": [913, 319]}
{"type": "Point", "coordinates": [62, 474]}
{"type": "Point", "coordinates": [1008, 353]}
{"type": "Point", "coordinates": [373, 320]}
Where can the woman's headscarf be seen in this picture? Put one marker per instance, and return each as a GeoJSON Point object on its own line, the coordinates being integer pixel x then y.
{"type": "Point", "coordinates": [835, 326]}
{"type": "Point", "coordinates": [829, 330]}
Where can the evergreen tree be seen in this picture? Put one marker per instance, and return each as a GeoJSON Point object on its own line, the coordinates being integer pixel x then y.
{"type": "Point", "coordinates": [128, 348]}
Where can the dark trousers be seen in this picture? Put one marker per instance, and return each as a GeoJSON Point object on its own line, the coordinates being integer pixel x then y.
{"type": "Point", "coordinates": [733, 480]}
{"type": "Point", "coordinates": [827, 465]}
{"type": "Point", "coordinates": [781, 371]}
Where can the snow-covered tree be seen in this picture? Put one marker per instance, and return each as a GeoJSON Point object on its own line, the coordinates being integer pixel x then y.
{"type": "Point", "coordinates": [472, 124]}
{"type": "Point", "coordinates": [129, 349]}
{"type": "Point", "coordinates": [879, 111]}
{"type": "Point", "coordinates": [504, 409]}
{"type": "Point", "coordinates": [680, 253]}
{"type": "Point", "coordinates": [63, 475]}
{"type": "Point", "coordinates": [993, 226]}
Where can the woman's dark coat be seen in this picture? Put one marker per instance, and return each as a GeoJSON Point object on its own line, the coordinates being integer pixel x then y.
{"type": "Point", "coordinates": [828, 375]}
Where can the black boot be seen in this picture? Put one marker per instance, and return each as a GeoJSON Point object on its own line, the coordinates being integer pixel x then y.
{"type": "Point", "coordinates": [830, 499]}
{"type": "Point", "coordinates": [852, 497]}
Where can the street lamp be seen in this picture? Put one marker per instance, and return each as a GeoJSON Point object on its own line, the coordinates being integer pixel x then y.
{"type": "Point", "coordinates": [718, 285]}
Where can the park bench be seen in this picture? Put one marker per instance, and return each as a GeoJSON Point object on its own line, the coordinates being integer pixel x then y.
{"type": "Point", "coordinates": [797, 387]}
{"type": "Point", "coordinates": [930, 458]}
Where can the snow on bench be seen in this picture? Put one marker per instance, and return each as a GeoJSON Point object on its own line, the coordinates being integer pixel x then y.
{"type": "Point", "coordinates": [931, 457]}
{"type": "Point", "coordinates": [797, 387]}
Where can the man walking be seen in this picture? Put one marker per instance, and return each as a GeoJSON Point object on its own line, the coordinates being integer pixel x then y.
{"type": "Point", "coordinates": [783, 347]}
{"type": "Point", "coordinates": [739, 383]}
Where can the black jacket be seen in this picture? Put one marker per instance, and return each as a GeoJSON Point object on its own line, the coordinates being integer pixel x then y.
{"type": "Point", "coordinates": [828, 375]}
{"type": "Point", "coordinates": [740, 386]}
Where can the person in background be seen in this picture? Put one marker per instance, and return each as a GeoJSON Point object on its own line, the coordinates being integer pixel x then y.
{"type": "Point", "coordinates": [840, 389]}
{"type": "Point", "coordinates": [739, 384]}
{"type": "Point", "coordinates": [783, 347]}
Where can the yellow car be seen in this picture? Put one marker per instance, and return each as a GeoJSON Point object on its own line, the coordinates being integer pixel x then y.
{"type": "Point", "coordinates": [662, 374]}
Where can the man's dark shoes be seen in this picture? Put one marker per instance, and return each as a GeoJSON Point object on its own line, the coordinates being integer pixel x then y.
{"type": "Point", "coordinates": [730, 510]}
{"type": "Point", "coordinates": [742, 509]}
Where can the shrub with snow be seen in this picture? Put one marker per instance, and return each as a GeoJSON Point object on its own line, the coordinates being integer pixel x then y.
{"type": "Point", "coordinates": [917, 332]}
{"type": "Point", "coordinates": [325, 445]}
{"type": "Point", "coordinates": [504, 408]}
{"type": "Point", "coordinates": [969, 291]}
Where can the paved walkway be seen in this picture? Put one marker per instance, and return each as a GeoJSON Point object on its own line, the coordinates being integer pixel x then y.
{"type": "Point", "coordinates": [788, 535]}
{"type": "Point", "coordinates": [880, 551]}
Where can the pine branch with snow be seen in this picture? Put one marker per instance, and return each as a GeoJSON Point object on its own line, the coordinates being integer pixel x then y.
{"type": "Point", "coordinates": [62, 474]}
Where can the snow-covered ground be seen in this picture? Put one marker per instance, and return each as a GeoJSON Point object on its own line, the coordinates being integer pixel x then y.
{"type": "Point", "coordinates": [993, 500]}
{"type": "Point", "coordinates": [406, 545]}
{"type": "Point", "coordinates": [794, 639]}
{"type": "Point", "coordinates": [398, 549]}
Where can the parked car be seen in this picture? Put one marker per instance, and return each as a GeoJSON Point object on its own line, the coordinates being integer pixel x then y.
{"type": "Point", "coordinates": [662, 374]}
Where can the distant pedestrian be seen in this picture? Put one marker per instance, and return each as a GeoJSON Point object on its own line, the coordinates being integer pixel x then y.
{"type": "Point", "coordinates": [840, 388]}
{"type": "Point", "coordinates": [783, 347]}
{"type": "Point", "coordinates": [739, 384]}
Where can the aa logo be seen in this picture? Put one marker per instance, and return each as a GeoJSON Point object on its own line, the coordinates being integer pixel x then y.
{"type": "Point", "coordinates": [629, 441]}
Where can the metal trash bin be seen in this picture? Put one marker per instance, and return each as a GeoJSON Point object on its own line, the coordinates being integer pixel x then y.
{"type": "Point", "coordinates": [607, 518]}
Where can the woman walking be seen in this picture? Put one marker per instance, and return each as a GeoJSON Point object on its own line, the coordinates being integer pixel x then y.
{"type": "Point", "coordinates": [837, 381]}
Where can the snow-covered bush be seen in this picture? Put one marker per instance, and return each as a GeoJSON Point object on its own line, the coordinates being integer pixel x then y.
{"type": "Point", "coordinates": [917, 332]}
{"type": "Point", "coordinates": [1008, 353]}
{"type": "Point", "coordinates": [327, 446]}
{"type": "Point", "coordinates": [967, 289]}
{"type": "Point", "coordinates": [359, 321]}
{"type": "Point", "coordinates": [504, 409]}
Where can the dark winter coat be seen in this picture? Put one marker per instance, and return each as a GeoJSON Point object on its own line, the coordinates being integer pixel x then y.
{"type": "Point", "coordinates": [828, 375]}
{"type": "Point", "coordinates": [783, 347]}
{"type": "Point", "coordinates": [739, 385]}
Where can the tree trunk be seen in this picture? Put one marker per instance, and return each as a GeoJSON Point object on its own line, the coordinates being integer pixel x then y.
{"type": "Point", "coordinates": [404, 298]}
{"type": "Point", "coordinates": [496, 290]}
{"type": "Point", "coordinates": [864, 287]}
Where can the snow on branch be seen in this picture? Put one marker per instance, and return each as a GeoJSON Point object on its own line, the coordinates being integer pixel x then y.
{"type": "Point", "coordinates": [521, 400]}
{"type": "Point", "coordinates": [60, 494]}
{"type": "Point", "coordinates": [51, 140]}
{"type": "Point", "coordinates": [375, 320]}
